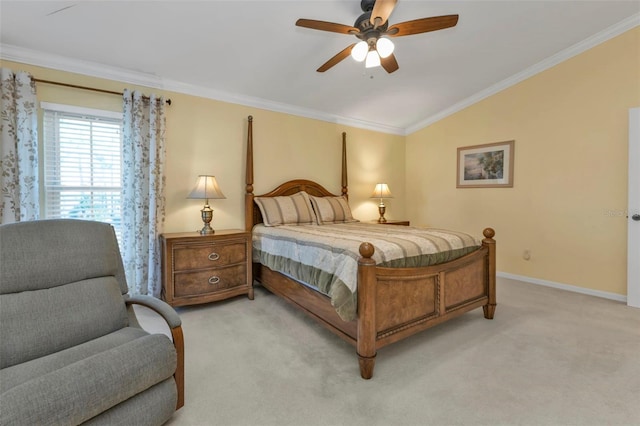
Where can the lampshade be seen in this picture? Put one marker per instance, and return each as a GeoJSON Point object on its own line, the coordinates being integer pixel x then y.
{"type": "Point", "coordinates": [373, 59]}
{"type": "Point", "coordinates": [359, 51]}
{"type": "Point", "coordinates": [381, 191]}
{"type": "Point", "coordinates": [206, 188]}
{"type": "Point", "coordinates": [385, 47]}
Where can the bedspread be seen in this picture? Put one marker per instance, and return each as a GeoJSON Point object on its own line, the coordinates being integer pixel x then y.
{"type": "Point", "coordinates": [326, 257]}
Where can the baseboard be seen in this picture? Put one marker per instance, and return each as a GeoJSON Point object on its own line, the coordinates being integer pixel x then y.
{"type": "Point", "coordinates": [567, 287]}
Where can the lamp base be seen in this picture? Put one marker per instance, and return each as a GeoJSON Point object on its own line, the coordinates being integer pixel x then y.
{"type": "Point", "coordinates": [381, 210]}
{"type": "Point", "coordinates": [206, 214]}
{"type": "Point", "coordinates": [206, 230]}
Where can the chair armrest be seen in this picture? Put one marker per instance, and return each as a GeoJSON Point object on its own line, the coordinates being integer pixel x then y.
{"type": "Point", "coordinates": [157, 305]}
{"type": "Point", "coordinates": [175, 324]}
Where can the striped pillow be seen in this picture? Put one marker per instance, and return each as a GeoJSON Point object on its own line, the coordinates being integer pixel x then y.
{"type": "Point", "coordinates": [286, 210]}
{"type": "Point", "coordinates": [332, 210]}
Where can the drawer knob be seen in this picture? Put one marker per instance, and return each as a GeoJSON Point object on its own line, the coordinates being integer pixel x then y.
{"type": "Point", "coordinates": [214, 256]}
{"type": "Point", "coordinates": [214, 280]}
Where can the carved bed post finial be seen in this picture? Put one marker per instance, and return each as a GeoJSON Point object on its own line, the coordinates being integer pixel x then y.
{"type": "Point", "coordinates": [344, 165]}
{"type": "Point", "coordinates": [366, 250]}
{"type": "Point", "coordinates": [248, 207]}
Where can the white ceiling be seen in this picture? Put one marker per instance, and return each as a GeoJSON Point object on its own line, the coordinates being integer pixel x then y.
{"type": "Point", "coordinates": [251, 52]}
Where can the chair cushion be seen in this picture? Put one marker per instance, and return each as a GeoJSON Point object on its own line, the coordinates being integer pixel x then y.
{"type": "Point", "coordinates": [85, 388]}
{"type": "Point", "coordinates": [41, 322]}
{"type": "Point", "coordinates": [20, 373]}
{"type": "Point", "coordinates": [152, 407]}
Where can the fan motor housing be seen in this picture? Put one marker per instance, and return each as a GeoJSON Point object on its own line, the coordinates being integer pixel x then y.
{"type": "Point", "coordinates": [367, 31]}
{"type": "Point", "coordinates": [367, 5]}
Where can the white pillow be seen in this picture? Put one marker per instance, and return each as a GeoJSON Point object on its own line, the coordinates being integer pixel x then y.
{"type": "Point", "coordinates": [286, 210]}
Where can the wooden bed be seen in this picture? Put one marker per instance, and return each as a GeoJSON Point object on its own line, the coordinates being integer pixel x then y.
{"type": "Point", "coordinates": [392, 303]}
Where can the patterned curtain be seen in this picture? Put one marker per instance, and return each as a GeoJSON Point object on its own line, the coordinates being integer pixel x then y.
{"type": "Point", "coordinates": [143, 185]}
{"type": "Point", "coordinates": [18, 148]}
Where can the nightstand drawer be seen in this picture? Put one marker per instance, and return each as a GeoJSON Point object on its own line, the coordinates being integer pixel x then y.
{"type": "Point", "coordinates": [209, 280]}
{"type": "Point", "coordinates": [191, 256]}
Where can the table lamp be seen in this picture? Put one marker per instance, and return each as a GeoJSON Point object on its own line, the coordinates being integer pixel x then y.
{"type": "Point", "coordinates": [381, 191]}
{"type": "Point", "coordinates": [206, 188]}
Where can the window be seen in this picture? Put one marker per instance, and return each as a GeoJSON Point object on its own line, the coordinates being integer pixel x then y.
{"type": "Point", "coordinates": [82, 164]}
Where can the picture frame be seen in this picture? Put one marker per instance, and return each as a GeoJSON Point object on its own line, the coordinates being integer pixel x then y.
{"type": "Point", "coordinates": [486, 166]}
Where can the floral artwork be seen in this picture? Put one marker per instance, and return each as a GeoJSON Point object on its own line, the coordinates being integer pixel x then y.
{"type": "Point", "coordinates": [486, 166]}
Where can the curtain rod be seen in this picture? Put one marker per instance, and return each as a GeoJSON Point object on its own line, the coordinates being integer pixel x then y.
{"type": "Point", "coordinates": [110, 92]}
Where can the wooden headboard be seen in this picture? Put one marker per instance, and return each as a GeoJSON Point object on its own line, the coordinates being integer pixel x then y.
{"type": "Point", "coordinates": [252, 213]}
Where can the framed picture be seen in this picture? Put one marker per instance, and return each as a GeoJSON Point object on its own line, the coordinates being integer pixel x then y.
{"type": "Point", "coordinates": [486, 166]}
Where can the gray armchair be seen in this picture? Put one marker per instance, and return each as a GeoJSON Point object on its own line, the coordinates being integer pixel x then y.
{"type": "Point", "coordinates": [71, 348]}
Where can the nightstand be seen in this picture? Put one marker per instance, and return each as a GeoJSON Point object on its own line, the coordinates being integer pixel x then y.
{"type": "Point", "coordinates": [205, 268]}
{"type": "Point", "coordinates": [393, 222]}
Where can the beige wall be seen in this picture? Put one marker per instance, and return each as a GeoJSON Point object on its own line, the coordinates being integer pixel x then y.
{"type": "Point", "coordinates": [570, 125]}
{"type": "Point", "coordinates": [209, 137]}
{"type": "Point", "coordinates": [570, 128]}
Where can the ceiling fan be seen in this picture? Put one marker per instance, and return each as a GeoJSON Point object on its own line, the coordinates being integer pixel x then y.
{"type": "Point", "coordinates": [372, 28]}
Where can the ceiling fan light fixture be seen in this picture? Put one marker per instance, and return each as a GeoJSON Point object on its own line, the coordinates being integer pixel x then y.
{"type": "Point", "coordinates": [369, 28]}
{"type": "Point", "coordinates": [359, 51]}
{"type": "Point", "coordinates": [385, 47]}
{"type": "Point", "coordinates": [373, 59]}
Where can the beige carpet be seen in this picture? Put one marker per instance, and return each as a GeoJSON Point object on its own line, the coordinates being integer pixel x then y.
{"type": "Point", "coordinates": [549, 357]}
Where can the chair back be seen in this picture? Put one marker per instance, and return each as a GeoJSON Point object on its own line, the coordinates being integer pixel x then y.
{"type": "Point", "coordinates": [61, 284]}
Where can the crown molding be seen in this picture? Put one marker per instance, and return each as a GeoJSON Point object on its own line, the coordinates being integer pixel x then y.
{"type": "Point", "coordinates": [266, 104]}
{"type": "Point", "coordinates": [93, 69]}
{"type": "Point", "coordinates": [586, 44]}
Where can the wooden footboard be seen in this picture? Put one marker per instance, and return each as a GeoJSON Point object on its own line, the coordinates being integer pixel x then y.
{"type": "Point", "coordinates": [394, 303]}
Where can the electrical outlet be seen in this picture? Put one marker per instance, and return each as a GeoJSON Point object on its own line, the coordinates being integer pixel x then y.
{"type": "Point", "coordinates": [526, 254]}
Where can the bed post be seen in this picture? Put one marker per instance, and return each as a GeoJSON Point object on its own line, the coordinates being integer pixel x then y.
{"type": "Point", "coordinates": [366, 338]}
{"type": "Point", "coordinates": [344, 164]}
{"type": "Point", "coordinates": [490, 243]}
{"type": "Point", "coordinates": [248, 198]}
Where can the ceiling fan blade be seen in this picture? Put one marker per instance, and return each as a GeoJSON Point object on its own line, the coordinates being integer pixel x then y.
{"type": "Point", "coordinates": [381, 11]}
{"type": "Point", "coordinates": [337, 58]}
{"type": "Point", "coordinates": [389, 63]}
{"type": "Point", "coordinates": [423, 25]}
{"type": "Point", "coordinates": [326, 26]}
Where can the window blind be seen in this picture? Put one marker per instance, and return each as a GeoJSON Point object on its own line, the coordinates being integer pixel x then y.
{"type": "Point", "coordinates": [83, 164]}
